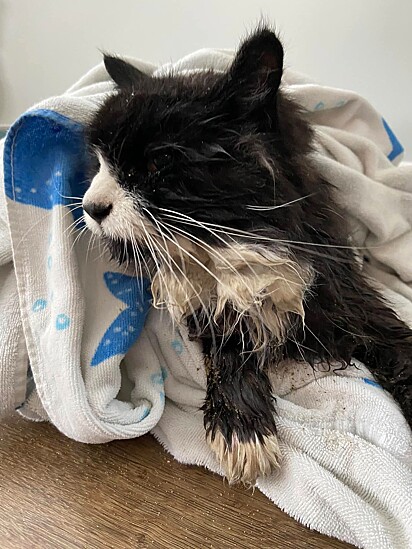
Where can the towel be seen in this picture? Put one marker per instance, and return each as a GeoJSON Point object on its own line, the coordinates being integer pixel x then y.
{"type": "Point", "coordinates": [80, 345]}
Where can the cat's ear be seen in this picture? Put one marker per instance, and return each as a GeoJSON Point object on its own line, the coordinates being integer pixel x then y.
{"type": "Point", "coordinates": [256, 72]}
{"type": "Point", "coordinates": [123, 73]}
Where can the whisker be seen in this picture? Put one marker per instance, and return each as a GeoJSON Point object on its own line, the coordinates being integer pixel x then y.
{"type": "Point", "coordinates": [22, 239]}
{"type": "Point", "coordinates": [77, 198]}
{"type": "Point", "coordinates": [268, 208]}
{"type": "Point", "coordinates": [182, 270]}
{"type": "Point", "coordinates": [316, 337]}
{"type": "Point", "coordinates": [78, 237]}
{"type": "Point", "coordinates": [197, 294]}
{"type": "Point", "coordinates": [207, 247]}
{"type": "Point", "coordinates": [214, 252]}
{"type": "Point", "coordinates": [72, 225]}
{"type": "Point", "coordinates": [153, 254]}
{"type": "Point", "coordinates": [137, 263]}
{"type": "Point", "coordinates": [90, 243]}
{"type": "Point", "coordinates": [185, 219]}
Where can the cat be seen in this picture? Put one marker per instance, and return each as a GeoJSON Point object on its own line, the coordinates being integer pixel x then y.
{"type": "Point", "coordinates": [206, 185]}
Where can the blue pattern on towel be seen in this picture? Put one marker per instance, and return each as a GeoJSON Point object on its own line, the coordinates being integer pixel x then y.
{"type": "Point", "coordinates": [397, 148]}
{"type": "Point", "coordinates": [50, 155]}
{"type": "Point", "coordinates": [46, 164]}
{"type": "Point", "coordinates": [371, 382]}
{"type": "Point", "coordinates": [125, 329]}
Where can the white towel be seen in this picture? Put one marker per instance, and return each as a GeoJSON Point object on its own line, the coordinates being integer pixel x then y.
{"type": "Point", "coordinates": [103, 366]}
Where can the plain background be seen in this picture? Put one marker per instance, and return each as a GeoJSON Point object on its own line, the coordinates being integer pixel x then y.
{"type": "Point", "coordinates": [365, 45]}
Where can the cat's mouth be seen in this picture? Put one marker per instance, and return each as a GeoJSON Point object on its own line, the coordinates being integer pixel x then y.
{"type": "Point", "coordinates": [127, 243]}
{"type": "Point", "coordinates": [129, 254]}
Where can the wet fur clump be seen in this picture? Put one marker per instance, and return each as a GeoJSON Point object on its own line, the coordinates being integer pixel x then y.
{"type": "Point", "coordinates": [206, 184]}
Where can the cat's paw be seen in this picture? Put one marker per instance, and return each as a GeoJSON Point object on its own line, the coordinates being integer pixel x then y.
{"type": "Point", "coordinates": [246, 461]}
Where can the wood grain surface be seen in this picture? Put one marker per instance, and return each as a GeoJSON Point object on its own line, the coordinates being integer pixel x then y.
{"type": "Point", "coordinates": [56, 493]}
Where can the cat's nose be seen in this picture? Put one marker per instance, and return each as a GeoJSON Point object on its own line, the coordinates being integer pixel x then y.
{"type": "Point", "coordinates": [97, 211]}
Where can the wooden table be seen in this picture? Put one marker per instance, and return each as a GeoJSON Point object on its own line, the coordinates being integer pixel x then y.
{"type": "Point", "coordinates": [56, 493]}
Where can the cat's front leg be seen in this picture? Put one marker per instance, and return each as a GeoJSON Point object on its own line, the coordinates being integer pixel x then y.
{"type": "Point", "coordinates": [239, 415]}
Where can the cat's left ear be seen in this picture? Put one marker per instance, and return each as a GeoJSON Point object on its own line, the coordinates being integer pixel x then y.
{"type": "Point", "coordinates": [256, 72]}
{"type": "Point", "coordinates": [125, 75]}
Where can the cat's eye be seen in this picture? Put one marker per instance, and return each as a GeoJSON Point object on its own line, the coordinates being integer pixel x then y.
{"type": "Point", "coordinates": [152, 167]}
{"type": "Point", "coordinates": [158, 162]}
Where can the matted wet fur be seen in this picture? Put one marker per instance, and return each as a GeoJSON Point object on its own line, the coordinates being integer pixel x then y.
{"type": "Point", "coordinates": [206, 184]}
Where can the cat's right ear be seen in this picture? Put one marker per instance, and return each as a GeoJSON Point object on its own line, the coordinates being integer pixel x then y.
{"type": "Point", "coordinates": [251, 84]}
{"type": "Point", "coordinates": [125, 75]}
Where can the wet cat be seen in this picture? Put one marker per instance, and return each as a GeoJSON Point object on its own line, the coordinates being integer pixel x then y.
{"type": "Point", "coordinates": [206, 185]}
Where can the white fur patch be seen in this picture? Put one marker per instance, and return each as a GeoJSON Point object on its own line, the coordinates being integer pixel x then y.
{"type": "Point", "coordinates": [124, 220]}
{"type": "Point", "coordinates": [258, 284]}
{"type": "Point", "coordinates": [246, 461]}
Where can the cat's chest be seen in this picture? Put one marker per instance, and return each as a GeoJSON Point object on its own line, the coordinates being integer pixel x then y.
{"type": "Point", "coordinates": [258, 284]}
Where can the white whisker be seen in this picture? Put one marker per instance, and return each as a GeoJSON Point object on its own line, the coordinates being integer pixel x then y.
{"type": "Point", "coordinates": [268, 208]}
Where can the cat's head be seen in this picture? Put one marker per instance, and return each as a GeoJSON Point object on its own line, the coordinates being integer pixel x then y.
{"type": "Point", "coordinates": [203, 157]}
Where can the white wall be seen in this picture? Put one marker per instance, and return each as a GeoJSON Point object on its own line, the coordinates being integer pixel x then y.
{"type": "Point", "coordinates": [366, 45]}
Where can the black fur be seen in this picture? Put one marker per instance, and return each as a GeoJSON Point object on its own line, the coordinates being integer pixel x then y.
{"type": "Point", "coordinates": [198, 145]}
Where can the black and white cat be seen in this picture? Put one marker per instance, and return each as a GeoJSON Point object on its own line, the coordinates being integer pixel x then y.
{"type": "Point", "coordinates": [206, 185]}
